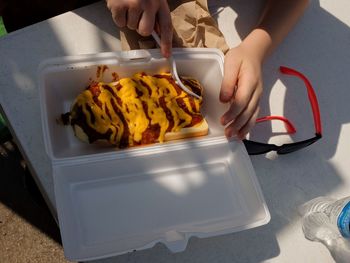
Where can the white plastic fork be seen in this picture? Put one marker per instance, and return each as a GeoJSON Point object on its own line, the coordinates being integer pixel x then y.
{"type": "Point", "coordinates": [173, 70]}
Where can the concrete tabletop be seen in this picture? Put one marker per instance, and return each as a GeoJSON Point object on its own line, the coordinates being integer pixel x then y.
{"type": "Point", "coordinates": [317, 46]}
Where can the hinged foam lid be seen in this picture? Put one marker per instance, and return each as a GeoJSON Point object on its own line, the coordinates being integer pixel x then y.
{"type": "Point", "coordinates": [110, 202]}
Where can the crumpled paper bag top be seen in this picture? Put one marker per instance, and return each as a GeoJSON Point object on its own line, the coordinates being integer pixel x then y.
{"type": "Point", "coordinates": [193, 26]}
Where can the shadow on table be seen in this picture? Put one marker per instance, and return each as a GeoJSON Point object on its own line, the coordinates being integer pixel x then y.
{"type": "Point", "coordinates": [19, 192]}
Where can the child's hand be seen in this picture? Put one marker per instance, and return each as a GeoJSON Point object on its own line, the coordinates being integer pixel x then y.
{"type": "Point", "coordinates": [242, 88]}
{"type": "Point", "coordinates": [142, 16]}
{"type": "Point", "coordinates": [242, 83]}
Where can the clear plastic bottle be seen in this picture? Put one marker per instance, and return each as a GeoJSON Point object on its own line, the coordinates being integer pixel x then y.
{"type": "Point", "coordinates": [327, 220]}
{"type": "Point", "coordinates": [338, 211]}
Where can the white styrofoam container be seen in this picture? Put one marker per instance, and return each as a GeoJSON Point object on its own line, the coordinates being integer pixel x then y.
{"type": "Point", "coordinates": [112, 201]}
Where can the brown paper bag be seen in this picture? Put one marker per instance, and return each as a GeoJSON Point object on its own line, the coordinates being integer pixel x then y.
{"type": "Point", "coordinates": [193, 27]}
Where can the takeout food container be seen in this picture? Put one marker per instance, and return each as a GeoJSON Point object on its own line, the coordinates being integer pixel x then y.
{"type": "Point", "coordinates": [112, 201]}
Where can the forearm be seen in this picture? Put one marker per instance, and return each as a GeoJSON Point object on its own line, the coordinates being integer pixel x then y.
{"type": "Point", "coordinates": [278, 18]}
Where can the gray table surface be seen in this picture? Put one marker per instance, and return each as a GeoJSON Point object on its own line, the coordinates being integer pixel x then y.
{"type": "Point", "coordinates": [318, 46]}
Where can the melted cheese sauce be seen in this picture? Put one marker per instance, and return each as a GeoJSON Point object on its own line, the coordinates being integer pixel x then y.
{"type": "Point", "coordinates": [134, 105]}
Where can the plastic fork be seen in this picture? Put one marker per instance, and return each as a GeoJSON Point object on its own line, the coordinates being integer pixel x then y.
{"type": "Point", "coordinates": [173, 70]}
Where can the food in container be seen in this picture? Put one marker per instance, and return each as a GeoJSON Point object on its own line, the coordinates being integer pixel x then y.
{"type": "Point", "coordinates": [137, 110]}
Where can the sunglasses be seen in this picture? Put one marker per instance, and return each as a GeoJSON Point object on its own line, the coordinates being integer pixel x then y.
{"type": "Point", "coordinates": [254, 148]}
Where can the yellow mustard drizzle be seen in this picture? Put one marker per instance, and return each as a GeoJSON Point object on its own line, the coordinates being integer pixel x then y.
{"type": "Point", "coordinates": [155, 111]}
{"type": "Point", "coordinates": [102, 122]}
{"type": "Point", "coordinates": [131, 107]}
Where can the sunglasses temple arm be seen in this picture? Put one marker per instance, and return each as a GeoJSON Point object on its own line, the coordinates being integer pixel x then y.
{"type": "Point", "coordinates": [289, 126]}
{"type": "Point", "coordinates": [311, 94]}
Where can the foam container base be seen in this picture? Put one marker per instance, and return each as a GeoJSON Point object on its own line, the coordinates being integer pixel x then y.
{"type": "Point", "coordinates": [112, 201]}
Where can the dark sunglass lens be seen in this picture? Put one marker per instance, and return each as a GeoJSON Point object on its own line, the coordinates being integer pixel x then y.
{"type": "Point", "coordinates": [292, 147]}
{"type": "Point", "coordinates": [254, 148]}
{"type": "Point", "coordinates": [289, 148]}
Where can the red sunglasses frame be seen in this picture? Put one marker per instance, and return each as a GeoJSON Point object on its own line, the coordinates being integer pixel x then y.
{"type": "Point", "coordinates": [311, 94]}
{"type": "Point", "coordinates": [259, 148]}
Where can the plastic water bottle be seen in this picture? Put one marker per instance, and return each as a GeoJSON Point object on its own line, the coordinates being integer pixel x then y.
{"type": "Point", "coordinates": [338, 211]}
{"type": "Point", "coordinates": [327, 220]}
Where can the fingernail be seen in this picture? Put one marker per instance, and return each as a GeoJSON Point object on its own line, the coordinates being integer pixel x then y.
{"type": "Point", "coordinates": [166, 54]}
{"type": "Point", "coordinates": [224, 96]}
{"type": "Point", "coordinates": [223, 121]}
